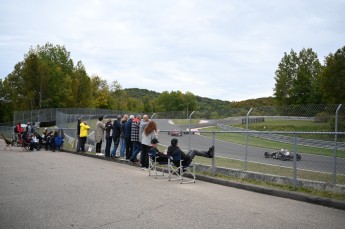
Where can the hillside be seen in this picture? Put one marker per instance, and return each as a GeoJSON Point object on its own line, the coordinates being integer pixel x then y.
{"type": "Point", "coordinates": [203, 102]}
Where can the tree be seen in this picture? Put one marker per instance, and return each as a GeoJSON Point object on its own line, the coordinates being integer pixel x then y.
{"type": "Point", "coordinates": [297, 78]}
{"type": "Point", "coordinates": [333, 78]}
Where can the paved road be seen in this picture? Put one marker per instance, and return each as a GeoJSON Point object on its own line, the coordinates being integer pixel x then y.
{"type": "Point", "coordinates": [255, 154]}
{"type": "Point", "coordinates": [63, 190]}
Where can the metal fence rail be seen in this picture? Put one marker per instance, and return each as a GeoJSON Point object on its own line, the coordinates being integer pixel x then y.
{"type": "Point", "coordinates": [239, 142]}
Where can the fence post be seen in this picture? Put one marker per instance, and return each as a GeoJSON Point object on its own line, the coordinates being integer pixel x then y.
{"type": "Point", "coordinates": [335, 146]}
{"type": "Point", "coordinates": [213, 160]}
{"type": "Point", "coordinates": [295, 161]}
{"type": "Point", "coordinates": [152, 116]}
{"type": "Point", "coordinates": [190, 120]}
{"type": "Point", "coordinates": [246, 156]}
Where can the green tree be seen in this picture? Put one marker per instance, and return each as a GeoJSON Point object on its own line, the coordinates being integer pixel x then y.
{"type": "Point", "coordinates": [297, 78]}
{"type": "Point", "coordinates": [100, 93]}
{"type": "Point", "coordinates": [333, 78]}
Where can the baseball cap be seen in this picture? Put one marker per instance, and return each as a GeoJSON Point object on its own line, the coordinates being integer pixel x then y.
{"type": "Point", "coordinates": [154, 141]}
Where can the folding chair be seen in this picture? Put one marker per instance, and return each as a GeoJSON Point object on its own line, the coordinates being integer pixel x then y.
{"type": "Point", "coordinates": [153, 164]}
{"type": "Point", "coordinates": [180, 171]}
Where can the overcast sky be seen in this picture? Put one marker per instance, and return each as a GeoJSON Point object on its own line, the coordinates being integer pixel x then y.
{"type": "Point", "coordinates": [221, 49]}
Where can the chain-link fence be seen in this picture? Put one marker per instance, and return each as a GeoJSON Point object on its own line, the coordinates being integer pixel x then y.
{"type": "Point", "coordinates": [249, 143]}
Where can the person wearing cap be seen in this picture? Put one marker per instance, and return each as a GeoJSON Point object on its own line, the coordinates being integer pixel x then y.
{"type": "Point", "coordinates": [173, 150]}
{"type": "Point", "coordinates": [150, 132]}
{"type": "Point", "coordinates": [154, 152]}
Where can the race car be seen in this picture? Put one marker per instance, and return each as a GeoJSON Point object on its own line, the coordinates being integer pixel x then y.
{"type": "Point", "coordinates": [175, 133]}
{"type": "Point", "coordinates": [282, 154]}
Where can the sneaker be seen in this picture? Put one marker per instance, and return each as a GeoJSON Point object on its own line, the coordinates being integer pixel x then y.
{"type": "Point", "coordinates": [211, 152]}
{"type": "Point", "coordinates": [101, 154]}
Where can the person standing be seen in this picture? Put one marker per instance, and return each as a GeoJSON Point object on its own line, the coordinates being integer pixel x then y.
{"type": "Point", "coordinates": [128, 129]}
{"type": "Point", "coordinates": [84, 133]}
{"type": "Point", "coordinates": [143, 123]}
{"type": "Point", "coordinates": [108, 137]}
{"type": "Point", "coordinates": [78, 135]}
{"type": "Point", "coordinates": [99, 135]}
{"type": "Point", "coordinates": [122, 135]}
{"type": "Point", "coordinates": [135, 138]}
{"type": "Point", "coordinates": [150, 132]}
{"type": "Point", "coordinates": [116, 135]}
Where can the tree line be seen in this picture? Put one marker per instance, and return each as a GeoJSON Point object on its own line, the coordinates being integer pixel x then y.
{"type": "Point", "coordinates": [48, 78]}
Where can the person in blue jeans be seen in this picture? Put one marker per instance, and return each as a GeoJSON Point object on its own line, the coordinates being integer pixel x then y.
{"type": "Point", "coordinates": [116, 135]}
{"type": "Point", "coordinates": [135, 138]}
{"type": "Point", "coordinates": [122, 136]}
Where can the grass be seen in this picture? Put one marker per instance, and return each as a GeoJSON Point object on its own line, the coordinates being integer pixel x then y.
{"type": "Point", "coordinates": [185, 121]}
{"type": "Point", "coordinates": [325, 194]}
{"type": "Point", "coordinates": [270, 169]}
{"type": "Point", "coordinates": [264, 143]}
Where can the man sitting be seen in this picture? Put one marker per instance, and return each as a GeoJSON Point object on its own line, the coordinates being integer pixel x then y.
{"type": "Point", "coordinates": [174, 150]}
{"type": "Point", "coordinates": [153, 152]}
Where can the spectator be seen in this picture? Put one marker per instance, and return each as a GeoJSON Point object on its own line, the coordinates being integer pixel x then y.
{"type": "Point", "coordinates": [143, 123]}
{"type": "Point", "coordinates": [128, 129]}
{"type": "Point", "coordinates": [34, 142]}
{"type": "Point", "coordinates": [99, 135]}
{"type": "Point", "coordinates": [84, 133]}
{"type": "Point", "coordinates": [150, 132]}
{"type": "Point", "coordinates": [108, 138]}
{"type": "Point", "coordinates": [135, 138]}
{"type": "Point", "coordinates": [173, 149]}
{"type": "Point", "coordinates": [122, 135]}
{"type": "Point", "coordinates": [116, 135]}
{"type": "Point", "coordinates": [154, 152]}
{"type": "Point", "coordinates": [29, 127]}
{"type": "Point", "coordinates": [19, 131]}
{"type": "Point", "coordinates": [78, 134]}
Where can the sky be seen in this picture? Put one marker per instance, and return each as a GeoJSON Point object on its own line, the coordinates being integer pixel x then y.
{"type": "Point", "coordinates": [220, 49]}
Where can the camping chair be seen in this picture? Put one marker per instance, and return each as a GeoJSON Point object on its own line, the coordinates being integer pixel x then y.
{"type": "Point", "coordinates": [180, 171]}
{"type": "Point", "coordinates": [58, 142]}
{"type": "Point", "coordinates": [162, 166]}
{"type": "Point", "coordinates": [8, 142]}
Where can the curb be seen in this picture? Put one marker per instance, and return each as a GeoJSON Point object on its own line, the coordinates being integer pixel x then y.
{"type": "Point", "coordinates": [249, 187]}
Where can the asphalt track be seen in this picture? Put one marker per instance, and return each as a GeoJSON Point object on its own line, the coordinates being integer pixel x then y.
{"type": "Point", "coordinates": [238, 151]}
{"type": "Point", "coordinates": [42, 189]}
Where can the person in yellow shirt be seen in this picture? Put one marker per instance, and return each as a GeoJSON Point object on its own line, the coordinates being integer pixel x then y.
{"type": "Point", "coordinates": [84, 133]}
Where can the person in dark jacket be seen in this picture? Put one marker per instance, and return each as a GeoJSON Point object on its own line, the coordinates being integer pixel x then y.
{"type": "Point", "coordinates": [174, 150]}
{"type": "Point", "coordinates": [155, 154]}
{"type": "Point", "coordinates": [78, 135]}
{"type": "Point", "coordinates": [108, 137]}
{"type": "Point", "coordinates": [116, 135]}
{"type": "Point", "coordinates": [129, 144]}
{"type": "Point", "coordinates": [122, 135]}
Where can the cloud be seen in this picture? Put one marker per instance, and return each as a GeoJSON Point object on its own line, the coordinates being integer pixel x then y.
{"type": "Point", "coordinates": [219, 49]}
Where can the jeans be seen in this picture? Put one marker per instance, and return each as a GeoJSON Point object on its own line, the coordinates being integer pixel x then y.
{"type": "Point", "coordinates": [145, 155]}
{"type": "Point", "coordinates": [116, 144]}
{"type": "Point", "coordinates": [82, 143]}
{"type": "Point", "coordinates": [129, 148]}
{"type": "Point", "coordinates": [123, 147]}
{"type": "Point", "coordinates": [136, 150]}
{"type": "Point", "coordinates": [107, 146]}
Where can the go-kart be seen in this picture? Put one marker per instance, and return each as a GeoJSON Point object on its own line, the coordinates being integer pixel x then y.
{"type": "Point", "coordinates": [282, 154]}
